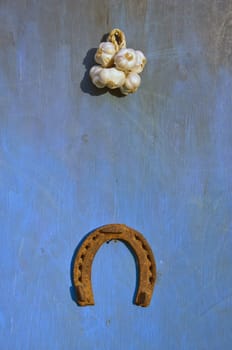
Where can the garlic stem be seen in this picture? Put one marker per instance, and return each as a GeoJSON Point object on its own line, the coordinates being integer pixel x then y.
{"type": "Point", "coordinates": [117, 37]}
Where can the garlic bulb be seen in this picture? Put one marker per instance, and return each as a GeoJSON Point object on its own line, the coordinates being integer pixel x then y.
{"type": "Point", "coordinates": [131, 84]}
{"type": "Point", "coordinates": [125, 59]}
{"type": "Point", "coordinates": [105, 54]}
{"type": "Point", "coordinates": [117, 37]}
{"type": "Point", "coordinates": [107, 77]}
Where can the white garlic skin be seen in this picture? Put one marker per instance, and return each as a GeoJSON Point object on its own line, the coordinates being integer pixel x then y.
{"type": "Point", "coordinates": [140, 62]}
{"type": "Point", "coordinates": [113, 77]}
{"type": "Point", "coordinates": [131, 84]}
{"type": "Point", "coordinates": [125, 59]}
{"type": "Point", "coordinates": [107, 77]}
{"type": "Point", "coordinates": [95, 76]}
{"type": "Point", "coordinates": [105, 54]}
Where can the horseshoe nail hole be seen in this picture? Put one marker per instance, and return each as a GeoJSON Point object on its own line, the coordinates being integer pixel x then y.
{"type": "Point", "coordinates": [80, 279]}
{"type": "Point", "coordinates": [87, 246]}
{"type": "Point", "coordinates": [82, 256]}
{"type": "Point", "coordinates": [94, 238]}
{"type": "Point", "coordinates": [144, 247]}
{"type": "Point", "coordinates": [151, 280]}
{"type": "Point", "coordinates": [137, 238]}
{"type": "Point", "coordinates": [80, 267]}
{"type": "Point", "coordinates": [149, 258]}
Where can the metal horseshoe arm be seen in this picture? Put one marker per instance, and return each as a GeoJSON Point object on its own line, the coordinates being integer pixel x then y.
{"type": "Point", "coordinates": [86, 253]}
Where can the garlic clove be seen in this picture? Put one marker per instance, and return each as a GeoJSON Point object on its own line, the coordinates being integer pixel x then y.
{"type": "Point", "coordinates": [131, 84]}
{"type": "Point", "coordinates": [125, 59]}
{"type": "Point", "coordinates": [117, 37]}
{"type": "Point", "coordinates": [105, 54]}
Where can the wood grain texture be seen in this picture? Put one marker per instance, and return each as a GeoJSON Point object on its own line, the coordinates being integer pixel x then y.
{"type": "Point", "coordinates": [158, 161]}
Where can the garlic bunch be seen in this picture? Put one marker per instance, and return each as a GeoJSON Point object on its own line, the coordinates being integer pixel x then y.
{"type": "Point", "coordinates": [118, 65]}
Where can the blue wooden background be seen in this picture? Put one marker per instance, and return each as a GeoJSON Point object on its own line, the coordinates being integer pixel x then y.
{"type": "Point", "coordinates": [72, 159]}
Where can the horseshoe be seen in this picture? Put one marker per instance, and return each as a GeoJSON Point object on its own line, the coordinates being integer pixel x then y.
{"type": "Point", "coordinates": [86, 253]}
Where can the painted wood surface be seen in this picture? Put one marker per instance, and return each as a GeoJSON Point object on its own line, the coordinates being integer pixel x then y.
{"type": "Point", "coordinates": [73, 158]}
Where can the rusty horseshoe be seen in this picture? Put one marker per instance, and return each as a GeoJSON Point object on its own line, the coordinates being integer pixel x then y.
{"type": "Point", "coordinates": [86, 253]}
